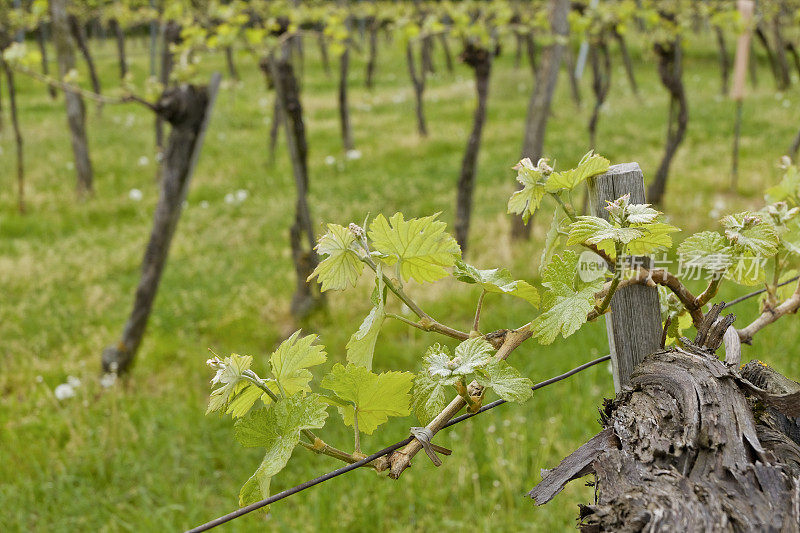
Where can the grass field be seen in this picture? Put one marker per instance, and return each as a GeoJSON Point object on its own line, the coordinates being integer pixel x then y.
{"type": "Point", "coordinates": [142, 456]}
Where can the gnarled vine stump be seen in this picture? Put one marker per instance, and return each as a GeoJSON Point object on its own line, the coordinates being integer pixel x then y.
{"type": "Point", "coordinates": [692, 445]}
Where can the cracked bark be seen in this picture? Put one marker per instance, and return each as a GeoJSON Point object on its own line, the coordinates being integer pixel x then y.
{"type": "Point", "coordinates": [689, 447]}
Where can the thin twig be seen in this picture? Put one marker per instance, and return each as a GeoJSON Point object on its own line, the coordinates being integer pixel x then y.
{"type": "Point", "coordinates": [377, 455]}
{"type": "Point", "coordinates": [89, 95]}
{"type": "Point", "coordinates": [756, 293]}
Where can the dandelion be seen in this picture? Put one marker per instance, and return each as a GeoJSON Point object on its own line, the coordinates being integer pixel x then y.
{"type": "Point", "coordinates": [108, 380]}
{"type": "Point", "coordinates": [144, 161]}
{"type": "Point", "coordinates": [64, 391]}
{"type": "Point", "coordinates": [496, 484]}
{"type": "Point", "coordinates": [330, 160]}
{"type": "Point", "coordinates": [229, 198]}
{"type": "Point", "coordinates": [73, 382]}
{"type": "Point", "coordinates": [135, 195]}
{"type": "Point", "coordinates": [353, 154]}
{"type": "Point", "coordinates": [241, 195]}
{"type": "Point", "coordinates": [204, 205]}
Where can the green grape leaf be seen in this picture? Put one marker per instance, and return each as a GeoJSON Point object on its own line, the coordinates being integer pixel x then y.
{"type": "Point", "coordinates": [230, 379]}
{"type": "Point", "coordinates": [751, 233]}
{"type": "Point", "coordinates": [590, 165]}
{"type": "Point", "coordinates": [277, 429]}
{"type": "Point", "coordinates": [361, 346]}
{"type": "Point", "coordinates": [787, 189]}
{"type": "Point", "coordinates": [244, 400]}
{"type": "Point", "coordinates": [420, 246]}
{"type": "Point", "coordinates": [565, 310]}
{"type": "Point", "coordinates": [748, 269]}
{"type": "Point", "coordinates": [525, 201]}
{"type": "Point", "coordinates": [506, 381]}
{"type": "Point", "coordinates": [707, 250]}
{"type": "Point", "coordinates": [595, 230]}
{"type": "Point", "coordinates": [342, 266]}
{"type": "Point", "coordinates": [290, 362]}
{"type": "Point", "coordinates": [656, 237]}
{"type": "Point", "coordinates": [640, 214]}
{"type": "Point", "coordinates": [790, 239]}
{"type": "Point", "coordinates": [375, 397]}
{"type": "Point", "coordinates": [429, 397]}
{"type": "Point", "coordinates": [561, 269]}
{"type": "Point", "coordinates": [496, 280]}
{"type": "Point", "coordinates": [469, 355]}
{"type": "Point", "coordinates": [552, 240]}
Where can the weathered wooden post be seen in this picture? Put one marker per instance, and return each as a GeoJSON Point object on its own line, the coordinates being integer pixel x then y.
{"type": "Point", "coordinates": [634, 325]}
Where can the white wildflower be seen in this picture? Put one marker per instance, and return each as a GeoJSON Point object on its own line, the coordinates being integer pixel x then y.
{"type": "Point", "coordinates": [330, 160]}
{"type": "Point", "coordinates": [353, 154]}
{"type": "Point", "coordinates": [135, 195]}
{"type": "Point", "coordinates": [229, 198]}
{"type": "Point", "coordinates": [144, 161]}
{"type": "Point", "coordinates": [241, 195]}
{"type": "Point", "coordinates": [64, 391]}
{"type": "Point", "coordinates": [108, 380]}
{"type": "Point", "coordinates": [73, 382]}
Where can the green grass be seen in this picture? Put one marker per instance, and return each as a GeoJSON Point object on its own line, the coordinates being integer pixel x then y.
{"type": "Point", "coordinates": [142, 456]}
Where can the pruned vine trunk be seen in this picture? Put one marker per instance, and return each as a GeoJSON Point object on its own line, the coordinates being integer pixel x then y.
{"type": "Point", "coordinates": [781, 63]}
{"type": "Point", "coordinates": [792, 50]}
{"type": "Point", "coordinates": [480, 60]}
{"type": "Point", "coordinates": [323, 53]}
{"type": "Point", "coordinates": [724, 60]}
{"type": "Point", "coordinates": [78, 31]}
{"type": "Point", "coordinates": [172, 35]}
{"type": "Point", "coordinates": [542, 97]}
{"type": "Point", "coordinates": [231, 64]}
{"type": "Point", "coordinates": [41, 40]}
{"type": "Point", "coordinates": [344, 108]}
{"type": "Point", "coordinates": [426, 55]}
{"type": "Point", "coordinates": [670, 70]}
{"type": "Point", "coordinates": [448, 57]}
{"type": "Point", "coordinates": [575, 88]}
{"type": "Point", "coordinates": [418, 81]}
{"type": "Point", "coordinates": [372, 58]}
{"type": "Point", "coordinates": [626, 59]}
{"type": "Point", "coordinates": [119, 37]}
{"type": "Point", "coordinates": [76, 111]}
{"type": "Point", "coordinates": [307, 296]}
{"type": "Point", "coordinates": [691, 445]}
{"type": "Point", "coordinates": [12, 105]}
{"type": "Point", "coordinates": [600, 61]}
{"type": "Point", "coordinates": [187, 109]}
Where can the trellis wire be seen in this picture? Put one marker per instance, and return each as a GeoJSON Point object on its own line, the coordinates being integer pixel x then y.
{"type": "Point", "coordinates": [386, 451]}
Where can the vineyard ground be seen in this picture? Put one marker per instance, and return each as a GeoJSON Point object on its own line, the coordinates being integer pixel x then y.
{"type": "Point", "coordinates": [141, 456]}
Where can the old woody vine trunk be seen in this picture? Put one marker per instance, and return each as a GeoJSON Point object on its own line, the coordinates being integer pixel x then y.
{"type": "Point", "coordinates": [186, 108]}
{"type": "Point", "coordinates": [307, 295]}
{"type": "Point", "coordinates": [418, 81]}
{"type": "Point", "coordinates": [670, 70]}
{"type": "Point", "coordinates": [480, 60]}
{"type": "Point", "coordinates": [691, 445]}
{"type": "Point", "coordinates": [119, 37]}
